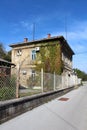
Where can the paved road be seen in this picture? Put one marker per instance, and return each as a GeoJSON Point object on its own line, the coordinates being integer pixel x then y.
{"type": "Point", "coordinates": [55, 115]}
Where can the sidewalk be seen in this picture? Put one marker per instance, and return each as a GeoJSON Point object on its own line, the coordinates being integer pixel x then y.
{"type": "Point", "coordinates": [68, 113]}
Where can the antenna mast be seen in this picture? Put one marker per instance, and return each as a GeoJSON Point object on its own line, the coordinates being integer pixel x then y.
{"type": "Point", "coordinates": [66, 27]}
{"type": "Point", "coordinates": [33, 31]}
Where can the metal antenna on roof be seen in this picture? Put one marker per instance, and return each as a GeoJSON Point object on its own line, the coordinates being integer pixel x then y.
{"type": "Point", "coordinates": [66, 27]}
{"type": "Point", "coordinates": [33, 31]}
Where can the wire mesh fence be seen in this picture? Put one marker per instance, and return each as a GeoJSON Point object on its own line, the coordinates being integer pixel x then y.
{"type": "Point", "coordinates": [7, 84]}
{"type": "Point", "coordinates": [26, 83]}
{"type": "Point", "coordinates": [30, 83]}
{"type": "Point", "coordinates": [38, 82]}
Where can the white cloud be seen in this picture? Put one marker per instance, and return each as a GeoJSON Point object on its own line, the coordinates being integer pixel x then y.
{"type": "Point", "coordinates": [26, 25]}
{"type": "Point", "coordinates": [77, 39]}
{"type": "Point", "coordinates": [78, 30]}
{"type": "Point", "coordinates": [77, 36]}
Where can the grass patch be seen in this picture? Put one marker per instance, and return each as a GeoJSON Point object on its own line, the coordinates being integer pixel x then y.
{"type": "Point", "coordinates": [7, 93]}
{"type": "Point", "coordinates": [29, 93]}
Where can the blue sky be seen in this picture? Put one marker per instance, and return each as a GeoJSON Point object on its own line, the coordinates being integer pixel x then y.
{"type": "Point", "coordinates": [50, 16]}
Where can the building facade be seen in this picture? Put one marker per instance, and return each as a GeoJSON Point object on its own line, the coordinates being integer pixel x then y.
{"type": "Point", "coordinates": [27, 56]}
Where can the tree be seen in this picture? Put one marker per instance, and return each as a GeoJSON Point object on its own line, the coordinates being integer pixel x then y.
{"type": "Point", "coordinates": [81, 74]}
{"type": "Point", "coordinates": [2, 51]}
{"type": "Point", "coordinates": [8, 56]}
{"type": "Point", "coordinates": [3, 54]}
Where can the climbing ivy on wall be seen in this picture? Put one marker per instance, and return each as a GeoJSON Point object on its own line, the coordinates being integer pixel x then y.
{"type": "Point", "coordinates": [50, 58]}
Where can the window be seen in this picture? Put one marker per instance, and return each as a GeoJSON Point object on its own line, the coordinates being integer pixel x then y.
{"type": "Point", "coordinates": [24, 72]}
{"type": "Point", "coordinates": [33, 75]}
{"type": "Point", "coordinates": [33, 54]}
{"type": "Point", "coordinates": [19, 52]}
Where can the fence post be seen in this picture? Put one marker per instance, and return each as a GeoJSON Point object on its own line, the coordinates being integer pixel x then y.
{"type": "Point", "coordinates": [67, 81]}
{"type": "Point", "coordinates": [54, 82]}
{"type": "Point", "coordinates": [18, 81]}
{"type": "Point", "coordinates": [76, 81]}
{"type": "Point", "coordinates": [42, 80]}
{"type": "Point", "coordinates": [62, 77]}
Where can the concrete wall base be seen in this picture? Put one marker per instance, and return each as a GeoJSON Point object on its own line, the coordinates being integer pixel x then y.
{"type": "Point", "coordinates": [13, 108]}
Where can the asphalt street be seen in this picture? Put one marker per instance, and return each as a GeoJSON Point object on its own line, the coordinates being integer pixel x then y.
{"type": "Point", "coordinates": [68, 112]}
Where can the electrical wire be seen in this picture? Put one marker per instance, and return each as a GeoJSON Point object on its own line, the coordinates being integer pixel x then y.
{"type": "Point", "coordinates": [79, 53]}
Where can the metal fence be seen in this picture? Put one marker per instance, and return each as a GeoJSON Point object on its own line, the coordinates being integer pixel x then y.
{"type": "Point", "coordinates": [24, 83]}
{"type": "Point", "coordinates": [7, 84]}
{"type": "Point", "coordinates": [43, 82]}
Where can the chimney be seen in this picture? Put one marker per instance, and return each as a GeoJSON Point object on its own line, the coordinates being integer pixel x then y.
{"type": "Point", "coordinates": [49, 35]}
{"type": "Point", "coordinates": [25, 40]}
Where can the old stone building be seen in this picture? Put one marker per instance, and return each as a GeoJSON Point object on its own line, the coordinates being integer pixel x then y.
{"type": "Point", "coordinates": [25, 56]}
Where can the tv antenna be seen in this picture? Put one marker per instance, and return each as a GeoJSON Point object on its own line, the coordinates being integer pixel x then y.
{"type": "Point", "coordinates": [66, 27]}
{"type": "Point", "coordinates": [33, 31]}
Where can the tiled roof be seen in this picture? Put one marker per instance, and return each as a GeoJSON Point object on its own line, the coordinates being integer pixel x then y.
{"type": "Point", "coordinates": [43, 40]}
{"type": "Point", "coordinates": [36, 41]}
